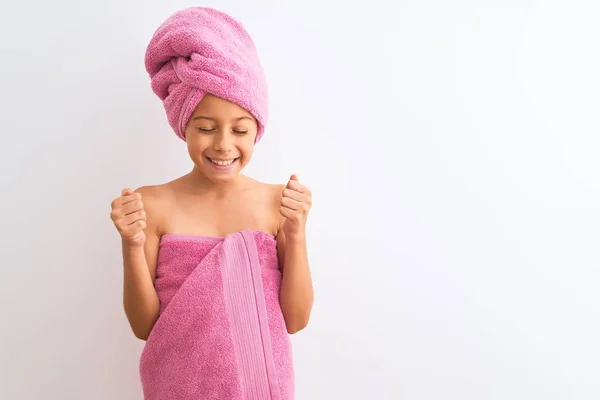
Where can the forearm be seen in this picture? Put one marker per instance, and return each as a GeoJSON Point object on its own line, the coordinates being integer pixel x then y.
{"type": "Point", "coordinates": [296, 295]}
{"type": "Point", "coordinates": [140, 299]}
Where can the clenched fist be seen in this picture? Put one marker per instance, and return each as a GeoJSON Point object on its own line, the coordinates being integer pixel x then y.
{"type": "Point", "coordinates": [129, 217]}
{"type": "Point", "coordinates": [296, 201]}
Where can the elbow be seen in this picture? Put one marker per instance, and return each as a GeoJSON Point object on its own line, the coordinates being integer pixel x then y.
{"type": "Point", "coordinates": [295, 329]}
{"type": "Point", "coordinates": [296, 312]}
{"type": "Point", "coordinates": [141, 324]}
{"type": "Point", "coordinates": [142, 331]}
{"type": "Point", "coordinates": [297, 324]}
{"type": "Point", "coordinates": [141, 334]}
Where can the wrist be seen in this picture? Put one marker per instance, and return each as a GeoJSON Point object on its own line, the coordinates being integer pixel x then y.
{"type": "Point", "coordinates": [129, 247]}
{"type": "Point", "coordinates": [296, 238]}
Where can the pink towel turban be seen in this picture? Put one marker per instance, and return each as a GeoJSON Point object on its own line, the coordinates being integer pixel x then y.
{"type": "Point", "coordinates": [201, 50]}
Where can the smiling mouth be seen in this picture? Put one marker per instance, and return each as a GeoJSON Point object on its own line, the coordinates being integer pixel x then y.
{"type": "Point", "coordinates": [222, 163]}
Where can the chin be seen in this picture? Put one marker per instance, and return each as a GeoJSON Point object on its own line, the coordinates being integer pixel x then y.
{"type": "Point", "coordinates": [223, 179]}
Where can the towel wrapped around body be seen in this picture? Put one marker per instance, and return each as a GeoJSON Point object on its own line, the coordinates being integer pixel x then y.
{"type": "Point", "coordinates": [221, 333]}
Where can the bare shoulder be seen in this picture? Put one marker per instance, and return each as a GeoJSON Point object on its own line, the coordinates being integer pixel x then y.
{"type": "Point", "coordinates": [270, 195]}
{"type": "Point", "coordinates": [153, 194]}
{"type": "Point", "coordinates": [149, 191]}
{"type": "Point", "coordinates": [276, 194]}
{"type": "Point", "coordinates": [274, 189]}
{"type": "Point", "coordinates": [155, 199]}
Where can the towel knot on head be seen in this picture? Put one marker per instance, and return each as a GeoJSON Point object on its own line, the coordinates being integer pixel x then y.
{"type": "Point", "coordinates": [202, 50]}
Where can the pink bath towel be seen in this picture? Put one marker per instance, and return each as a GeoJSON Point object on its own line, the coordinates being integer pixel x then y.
{"type": "Point", "coordinates": [201, 50]}
{"type": "Point", "coordinates": [221, 333]}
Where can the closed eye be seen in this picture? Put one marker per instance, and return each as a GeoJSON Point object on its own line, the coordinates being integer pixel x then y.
{"type": "Point", "coordinates": [213, 129]}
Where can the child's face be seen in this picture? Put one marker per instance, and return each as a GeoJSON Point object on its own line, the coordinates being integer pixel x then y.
{"type": "Point", "coordinates": [220, 138]}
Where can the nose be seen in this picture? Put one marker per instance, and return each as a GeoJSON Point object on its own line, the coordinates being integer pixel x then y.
{"type": "Point", "coordinates": [223, 142]}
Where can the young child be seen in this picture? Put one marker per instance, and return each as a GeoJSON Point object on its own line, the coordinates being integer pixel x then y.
{"type": "Point", "coordinates": [216, 274]}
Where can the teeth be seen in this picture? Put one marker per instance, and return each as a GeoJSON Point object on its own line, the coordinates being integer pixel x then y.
{"type": "Point", "coordinates": [222, 163]}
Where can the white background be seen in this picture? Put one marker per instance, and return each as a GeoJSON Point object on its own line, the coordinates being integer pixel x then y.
{"type": "Point", "coordinates": [452, 149]}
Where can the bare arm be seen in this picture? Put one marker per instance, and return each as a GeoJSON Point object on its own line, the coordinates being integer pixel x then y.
{"type": "Point", "coordinates": [296, 294]}
{"type": "Point", "coordinates": [136, 222]}
{"type": "Point", "coordinates": [140, 299]}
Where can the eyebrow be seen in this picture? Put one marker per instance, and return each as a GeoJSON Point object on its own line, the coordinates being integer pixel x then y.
{"type": "Point", "coordinates": [212, 119]}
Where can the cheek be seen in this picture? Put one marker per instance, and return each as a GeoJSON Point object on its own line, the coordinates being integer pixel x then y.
{"type": "Point", "coordinates": [195, 146]}
{"type": "Point", "coordinates": [247, 147]}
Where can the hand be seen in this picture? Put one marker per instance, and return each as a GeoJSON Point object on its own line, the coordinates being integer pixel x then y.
{"type": "Point", "coordinates": [129, 217]}
{"type": "Point", "coordinates": [296, 201]}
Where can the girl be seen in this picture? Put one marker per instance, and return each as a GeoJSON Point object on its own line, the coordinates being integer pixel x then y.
{"type": "Point", "coordinates": [216, 274]}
